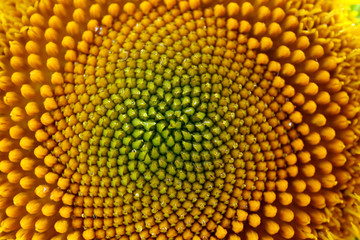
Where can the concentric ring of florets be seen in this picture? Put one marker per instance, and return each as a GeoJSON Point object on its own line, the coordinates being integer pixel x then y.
{"type": "Point", "coordinates": [169, 114]}
{"type": "Point", "coordinates": [190, 120]}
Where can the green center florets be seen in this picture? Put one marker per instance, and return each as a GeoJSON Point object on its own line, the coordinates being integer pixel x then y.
{"type": "Point", "coordinates": [162, 123]}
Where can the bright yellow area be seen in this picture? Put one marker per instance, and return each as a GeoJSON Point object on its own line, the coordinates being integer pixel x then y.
{"type": "Point", "coordinates": [12, 13]}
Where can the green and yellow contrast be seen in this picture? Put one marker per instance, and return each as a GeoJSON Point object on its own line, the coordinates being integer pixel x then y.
{"type": "Point", "coordinates": [191, 119]}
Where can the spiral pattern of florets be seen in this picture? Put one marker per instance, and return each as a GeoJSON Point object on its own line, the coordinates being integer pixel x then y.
{"type": "Point", "coordinates": [179, 120]}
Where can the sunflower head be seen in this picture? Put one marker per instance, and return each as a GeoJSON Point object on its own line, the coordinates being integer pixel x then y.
{"type": "Point", "coordinates": [192, 119]}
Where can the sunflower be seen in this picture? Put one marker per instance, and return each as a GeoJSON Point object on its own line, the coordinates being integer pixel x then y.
{"type": "Point", "coordinates": [191, 119]}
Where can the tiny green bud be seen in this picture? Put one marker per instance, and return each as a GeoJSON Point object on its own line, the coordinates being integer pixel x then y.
{"type": "Point", "coordinates": [179, 163]}
{"type": "Point", "coordinates": [205, 155]}
{"type": "Point", "coordinates": [195, 102]}
{"type": "Point", "coordinates": [136, 122]}
{"type": "Point", "coordinates": [119, 134]}
{"type": "Point", "coordinates": [138, 133]}
{"type": "Point", "coordinates": [169, 114]}
{"type": "Point", "coordinates": [162, 188]}
{"type": "Point", "coordinates": [196, 91]}
{"type": "Point", "coordinates": [143, 114]}
{"type": "Point", "coordinates": [169, 180]}
{"type": "Point", "coordinates": [149, 125]}
{"type": "Point", "coordinates": [215, 130]}
{"type": "Point", "coordinates": [113, 153]}
{"type": "Point", "coordinates": [133, 154]}
{"type": "Point", "coordinates": [151, 87]}
{"type": "Point", "coordinates": [161, 174]}
{"type": "Point", "coordinates": [147, 159]}
{"type": "Point", "coordinates": [122, 170]}
{"type": "Point", "coordinates": [154, 101]}
{"type": "Point", "coordinates": [171, 169]}
{"type": "Point", "coordinates": [134, 175]}
{"type": "Point", "coordinates": [154, 153]}
{"type": "Point", "coordinates": [156, 140]}
{"type": "Point", "coordinates": [189, 166]}
{"type": "Point", "coordinates": [163, 148]}
{"type": "Point", "coordinates": [162, 162]}
{"type": "Point", "coordinates": [115, 124]}
{"type": "Point", "coordinates": [105, 141]}
{"type": "Point", "coordinates": [160, 126]}
{"type": "Point", "coordinates": [185, 155]}
{"type": "Point", "coordinates": [166, 83]}
{"type": "Point", "coordinates": [165, 133]}
{"type": "Point", "coordinates": [197, 147]}
{"type": "Point", "coordinates": [187, 136]}
{"type": "Point", "coordinates": [207, 135]}
{"type": "Point", "coordinates": [189, 111]}
{"type": "Point", "coordinates": [135, 93]}
{"type": "Point", "coordinates": [121, 160]}
{"type": "Point", "coordinates": [195, 156]}
{"type": "Point", "coordinates": [199, 116]}
{"type": "Point", "coordinates": [201, 178]}
{"type": "Point", "coordinates": [160, 93]}
{"type": "Point", "coordinates": [132, 165]}
{"type": "Point", "coordinates": [198, 167]}
{"type": "Point", "coordinates": [197, 137]}
{"type": "Point", "coordinates": [154, 167]}
{"type": "Point", "coordinates": [175, 124]}
{"type": "Point", "coordinates": [137, 144]}
{"type": "Point", "coordinates": [130, 103]}
{"type": "Point", "coordinates": [141, 104]}
{"type": "Point", "coordinates": [177, 148]}
{"type": "Point", "coordinates": [123, 118]}
{"type": "Point", "coordinates": [127, 140]}
{"type": "Point", "coordinates": [179, 69]}
{"type": "Point", "coordinates": [109, 162]}
{"type": "Point", "coordinates": [124, 150]}
{"type": "Point", "coordinates": [147, 175]}
{"type": "Point", "coordinates": [207, 145]}
{"type": "Point", "coordinates": [162, 107]}
{"type": "Point", "coordinates": [191, 177]}
{"type": "Point", "coordinates": [128, 128]}
{"type": "Point", "coordinates": [170, 141]}
{"type": "Point", "coordinates": [148, 135]}
{"type": "Point", "coordinates": [177, 184]}
{"type": "Point", "coordinates": [203, 107]}
{"type": "Point", "coordinates": [149, 75]}
{"type": "Point", "coordinates": [170, 156]}
{"type": "Point", "coordinates": [159, 117]}
{"type": "Point", "coordinates": [186, 90]}
{"type": "Point", "coordinates": [185, 101]}
{"type": "Point", "coordinates": [215, 153]}
{"type": "Point", "coordinates": [125, 180]}
{"type": "Point", "coordinates": [140, 183]}
{"type": "Point", "coordinates": [181, 175]}
{"type": "Point", "coordinates": [187, 145]}
{"type": "Point", "coordinates": [169, 96]}
{"type": "Point", "coordinates": [177, 92]}
{"type": "Point", "coordinates": [108, 132]}
{"type": "Point", "coordinates": [145, 95]}
{"type": "Point", "coordinates": [177, 136]}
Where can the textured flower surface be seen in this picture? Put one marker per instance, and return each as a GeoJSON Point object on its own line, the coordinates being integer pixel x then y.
{"type": "Point", "coordinates": [166, 119]}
